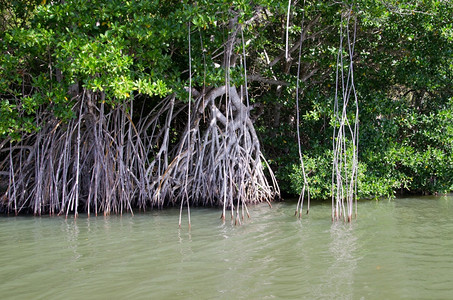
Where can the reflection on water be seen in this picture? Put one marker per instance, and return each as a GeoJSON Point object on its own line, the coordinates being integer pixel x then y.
{"type": "Point", "coordinates": [396, 249]}
{"type": "Point", "coordinates": [338, 279]}
{"type": "Point", "coordinates": [71, 231]}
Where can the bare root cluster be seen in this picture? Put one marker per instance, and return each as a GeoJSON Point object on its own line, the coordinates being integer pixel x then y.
{"type": "Point", "coordinates": [103, 162]}
{"type": "Point", "coordinates": [217, 160]}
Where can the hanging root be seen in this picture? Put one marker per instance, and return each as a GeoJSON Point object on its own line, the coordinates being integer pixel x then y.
{"type": "Point", "coordinates": [305, 188]}
{"type": "Point", "coordinates": [345, 136]}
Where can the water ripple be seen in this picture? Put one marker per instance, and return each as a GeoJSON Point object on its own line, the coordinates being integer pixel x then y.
{"type": "Point", "coordinates": [397, 249]}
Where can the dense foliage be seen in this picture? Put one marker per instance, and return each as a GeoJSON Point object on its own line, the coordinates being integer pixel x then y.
{"type": "Point", "coordinates": [405, 81]}
{"type": "Point", "coordinates": [53, 52]}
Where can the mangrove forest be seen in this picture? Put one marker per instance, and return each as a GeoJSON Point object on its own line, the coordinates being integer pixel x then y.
{"type": "Point", "coordinates": [112, 107]}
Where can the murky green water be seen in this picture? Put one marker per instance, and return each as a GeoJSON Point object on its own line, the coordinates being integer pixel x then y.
{"type": "Point", "coordinates": [397, 249]}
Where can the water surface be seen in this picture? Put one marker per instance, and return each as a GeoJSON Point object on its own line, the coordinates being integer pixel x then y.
{"type": "Point", "coordinates": [394, 250]}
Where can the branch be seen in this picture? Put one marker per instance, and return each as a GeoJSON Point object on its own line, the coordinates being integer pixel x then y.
{"type": "Point", "coordinates": [194, 91]}
{"type": "Point", "coordinates": [309, 75]}
{"type": "Point", "coordinates": [296, 45]}
{"type": "Point", "coordinates": [403, 11]}
{"type": "Point", "coordinates": [262, 79]}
